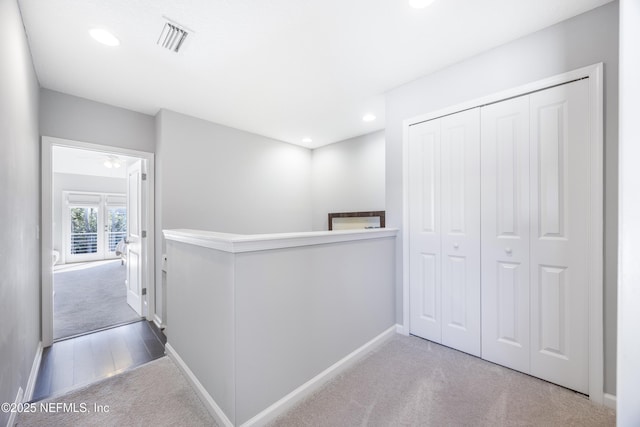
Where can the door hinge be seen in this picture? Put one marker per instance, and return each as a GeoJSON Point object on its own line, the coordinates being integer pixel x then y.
{"type": "Point", "coordinates": [144, 291]}
{"type": "Point", "coordinates": [144, 176]}
{"type": "Point", "coordinates": [144, 233]}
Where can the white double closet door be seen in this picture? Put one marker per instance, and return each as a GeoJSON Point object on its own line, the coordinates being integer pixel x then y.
{"type": "Point", "coordinates": [521, 208]}
{"type": "Point", "coordinates": [444, 195]}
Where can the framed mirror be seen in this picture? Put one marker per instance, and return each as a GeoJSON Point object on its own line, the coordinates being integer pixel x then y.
{"type": "Point", "coordinates": [356, 220]}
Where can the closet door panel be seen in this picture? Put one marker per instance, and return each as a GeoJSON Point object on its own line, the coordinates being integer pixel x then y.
{"type": "Point", "coordinates": [560, 171]}
{"type": "Point", "coordinates": [505, 233]}
{"type": "Point", "coordinates": [460, 224]}
{"type": "Point", "coordinates": [424, 234]}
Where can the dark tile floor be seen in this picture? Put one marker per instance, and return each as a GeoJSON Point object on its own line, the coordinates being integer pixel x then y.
{"type": "Point", "coordinates": [77, 361]}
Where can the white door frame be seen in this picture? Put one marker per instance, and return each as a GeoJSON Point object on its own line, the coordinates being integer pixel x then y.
{"type": "Point", "coordinates": [47, 225]}
{"type": "Point", "coordinates": [596, 185]}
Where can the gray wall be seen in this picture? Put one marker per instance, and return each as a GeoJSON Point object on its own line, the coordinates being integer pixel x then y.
{"type": "Point", "coordinates": [580, 41]}
{"type": "Point", "coordinates": [20, 213]}
{"type": "Point", "coordinates": [74, 182]}
{"type": "Point", "coordinates": [69, 117]}
{"type": "Point", "coordinates": [222, 179]}
{"type": "Point", "coordinates": [231, 180]}
{"type": "Point", "coordinates": [348, 176]}
{"type": "Point", "coordinates": [302, 309]}
{"type": "Point", "coordinates": [212, 177]}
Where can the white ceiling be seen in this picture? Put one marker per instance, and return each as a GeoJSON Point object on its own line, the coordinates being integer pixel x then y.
{"type": "Point", "coordinates": [85, 162]}
{"type": "Point", "coordinates": [286, 69]}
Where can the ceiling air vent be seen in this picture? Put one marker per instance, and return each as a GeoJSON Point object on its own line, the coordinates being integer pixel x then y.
{"type": "Point", "coordinates": [172, 36]}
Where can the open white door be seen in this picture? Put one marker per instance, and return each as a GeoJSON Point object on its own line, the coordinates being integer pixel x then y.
{"type": "Point", "coordinates": [135, 226]}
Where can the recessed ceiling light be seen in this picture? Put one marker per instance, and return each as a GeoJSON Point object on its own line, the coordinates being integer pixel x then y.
{"type": "Point", "coordinates": [104, 37]}
{"type": "Point", "coordinates": [307, 140]}
{"type": "Point", "coordinates": [420, 4]}
{"type": "Point", "coordinates": [368, 118]}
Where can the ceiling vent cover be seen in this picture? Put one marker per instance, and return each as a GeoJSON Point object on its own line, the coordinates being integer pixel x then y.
{"type": "Point", "coordinates": [172, 36]}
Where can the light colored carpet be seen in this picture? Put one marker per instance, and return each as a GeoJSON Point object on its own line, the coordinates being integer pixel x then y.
{"type": "Point", "coordinates": [406, 382]}
{"type": "Point", "coordinates": [413, 382]}
{"type": "Point", "coordinates": [88, 299]}
{"type": "Point", "coordinates": [155, 394]}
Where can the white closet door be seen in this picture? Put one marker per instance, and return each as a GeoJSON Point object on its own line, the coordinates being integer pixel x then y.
{"type": "Point", "coordinates": [460, 230]}
{"type": "Point", "coordinates": [560, 170]}
{"type": "Point", "coordinates": [424, 230]}
{"type": "Point", "coordinates": [505, 233]}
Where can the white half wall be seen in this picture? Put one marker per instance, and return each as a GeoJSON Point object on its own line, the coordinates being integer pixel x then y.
{"type": "Point", "coordinates": [348, 176]}
{"type": "Point", "coordinates": [20, 212]}
{"type": "Point", "coordinates": [260, 316]}
{"type": "Point", "coordinates": [584, 40]}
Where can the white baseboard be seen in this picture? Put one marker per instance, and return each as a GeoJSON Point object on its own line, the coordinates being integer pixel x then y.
{"type": "Point", "coordinates": [609, 401]}
{"type": "Point", "coordinates": [33, 375]}
{"type": "Point", "coordinates": [211, 405]}
{"type": "Point", "coordinates": [158, 321]}
{"type": "Point", "coordinates": [19, 399]}
{"type": "Point", "coordinates": [288, 401]}
{"type": "Point", "coordinates": [306, 389]}
{"type": "Point", "coordinates": [401, 330]}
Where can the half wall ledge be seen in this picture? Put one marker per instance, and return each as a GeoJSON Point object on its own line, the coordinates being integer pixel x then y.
{"type": "Point", "coordinates": [257, 321]}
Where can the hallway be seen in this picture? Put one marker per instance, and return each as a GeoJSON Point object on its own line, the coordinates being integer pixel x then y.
{"type": "Point", "coordinates": [78, 361]}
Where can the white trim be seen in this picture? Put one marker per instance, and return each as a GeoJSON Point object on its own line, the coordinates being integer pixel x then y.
{"type": "Point", "coordinates": [400, 329]}
{"type": "Point", "coordinates": [158, 321]}
{"type": "Point", "coordinates": [610, 401]}
{"type": "Point", "coordinates": [306, 389]}
{"type": "Point", "coordinates": [47, 244]}
{"type": "Point", "coordinates": [19, 400]}
{"type": "Point", "coordinates": [281, 406]}
{"type": "Point", "coordinates": [596, 327]}
{"type": "Point", "coordinates": [211, 405]}
{"type": "Point", "coordinates": [47, 222]}
{"type": "Point", "coordinates": [590, 71]}
{"type": "Point", "coordinates": [596, 236]}
{"type": "Point", "coordinates": [406, 301]}
{"type": "Point", "coordinates": [239, 243]}
{"type": "Point", "coordinates": [33, 375]}
{"type": "Point", "coordinates": [628, 308]}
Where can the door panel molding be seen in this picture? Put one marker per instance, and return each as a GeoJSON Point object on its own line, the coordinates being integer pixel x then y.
{"type": "Point", "coordinates": [594, 76]}
{"type": "Point", "coordinates": [446, 184]}
{"type": "Point", "coordinates": [560, 205]}
{"type": "Point", "coordinates": [506, 233]}
{"type": "Point", "coordinates": [426, 262]}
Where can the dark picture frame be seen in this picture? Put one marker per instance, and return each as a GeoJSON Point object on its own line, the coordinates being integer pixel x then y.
{"type": "Point", "coordinates": [368, 214]}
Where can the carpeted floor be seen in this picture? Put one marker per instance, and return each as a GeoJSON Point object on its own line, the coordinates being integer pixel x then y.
{"type": "Point", "coordinates": [406, 382]}
{"type": "Point", "coordinates": [155, 394]}
{"type": "Point", "coordinates": [413, 382]}
{"type": "Point", "coordinates": [88, 299]}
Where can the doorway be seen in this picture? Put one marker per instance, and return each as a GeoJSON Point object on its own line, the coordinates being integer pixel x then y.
{"type": "Point", "coordinates": [97, 261]}
{"type": "Point", "coordinates": [89, 280]}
